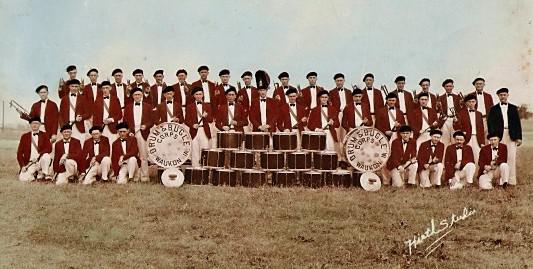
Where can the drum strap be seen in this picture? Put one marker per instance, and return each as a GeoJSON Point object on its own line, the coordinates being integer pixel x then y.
{"type": "Point", "coordinates": [324, 114]}
{"type": "Point", "coordinates": [357, 112]}
{"type": "Point", "coordinates": [425, 118]}
{"type": "Point", "coordinates": [72, 107]}
{"type": "Point", "coordinates": [198, 113]}
{"type": "Point", "coordinates": [392, 116]}
{"type": "Point", "coordinates": [230, 118]}
{"type": "Point", "coordinates": [294, 115]}
{"type": "Point", "coordinates": [169, 113]}
{"type": "Point", "coordinates": [34, 144]}
{"type": "Point", "coordinates": [106, 107]}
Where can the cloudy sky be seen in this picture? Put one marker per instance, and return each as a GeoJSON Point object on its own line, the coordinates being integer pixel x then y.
{"type": "Point", "coordinates": [435, 39]}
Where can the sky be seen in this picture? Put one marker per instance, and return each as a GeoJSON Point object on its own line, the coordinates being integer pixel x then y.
{"type": "Point", "coordinates": [415, 38]}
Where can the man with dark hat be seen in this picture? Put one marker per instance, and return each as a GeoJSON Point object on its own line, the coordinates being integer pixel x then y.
{"type": "Point", "coordinates": [372, 96]}
{"type": "Point", "coordinates": [96, 155]}
{"type": "Point", "coordinates": [198, 116]}
{"type": "Point", "coordinates": [231, 115]}
{"type": "Point", "coordinates": [402, 161]}
{"type": "Point", "coordinates": [182, 90]}
{"type": "Point", "coordinates": [107, 112]}
{"type": "Point", "coordinates": [389, 118]}
{"type": "Point", "coordinates": [119, 89]}
{"type": "Point", "coordinates": [68, 157]}
{"type": "Point", "coordinates": [247, 93]}
{"type": "Point", "coordinates": [356, 114]}
{"type": "Point", "coordinates": [91, 90]}
{"type": "Point", "coordinates": [263, 111]}
{"type": "Point", "coordinates": [210, 91]}
{"type": "Point", "coordinates": [448, 104]}
{"type": "Point", "coordinates": [325, 118]}
{"type": "Point", "coordinates": [484, 99]}
{"type": "Point", "coordinates": [46, 110]}
{"type": "Point", "coordinates": [292, 116]}
{"type": "Point", "coordinates": [74, 110]}
{"type": "Point", "coordinates": [424, 88]}
{"type": "Point", "coordinates": [156, 90]}
{"type": "Point", "coordinates": [459, 163]}
{"type": "Point", "coordinates": [141, 83]}
{"type": "Point", "coordinates": [430, 159]}
{"type": "Point", "coordinates": [405, 98]}
{"type": "Point", "coordinates": [493, 163]}
{"type": "Point", "coordinates": [504, 121]}
{"type": "Point", "coordinates": [309, 95]}
{"type": "Point", "coordinates": [124, 155]}
{"type": "Point", "coordinates": [63, 87]}
{"type": "Point", "coordinates": [470, 121]}
{"type": "Point", "coordinates": [280, 92]}
{"type": "Point", "coordinates": [224, 85]}
{"type": "Point", "coordinates": [33, 153]}
{"type": "Point", "coordinates": [340, 97]}
{"type": "Point", "coordinates": [422, 119]}
{"type": "Point", "coordinates": [169, 110]}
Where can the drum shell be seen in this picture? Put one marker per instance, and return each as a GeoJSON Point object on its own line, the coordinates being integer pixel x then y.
{"type": "Point", "coordinates": [229, 140]}
{"type": "Point", "coordinates": [284, 178]}
{"type": "Point", "coordinates": [342, 178]}
{"type": "Point", "coordinates": [253, 178]}
{"type": "Point", "coordinates": [241, 160]}
{"type": "Point", "coordinates": [213, 158]}
{"type": "Point", "coordinates": [325, 161]}
{"type": "Point", "coordinates": [256, 141]}
{"type": "Point", "coordinates": [272, 161]}
{"type": "Point", "coordinates": [285, 141]}
{"type": "Point", "coordinates": [196, 175]}
{"type": "Point", "coordinates": [224, 177]}
{"type": "Point", "coordinates": [299, 161]}
{"type": "Point", "coordinates": [311, 179]}
{"type": "Point", "coordinates": [313, 141]}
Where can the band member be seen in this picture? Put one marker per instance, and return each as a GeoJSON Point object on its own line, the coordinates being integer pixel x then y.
{"type": "Point", "coordinates": [119, 89]}
{"type": "Point", "coordinates": [309, 95]}
{"type": "Point", "coordinates": [263, 111]}
{"type": "Point", "coordinates": [356, 113]}
{"type": "Point", "coordinates": [448, 104]}
{"type": "Point", "coordinates": [138, 116]}
{"type": "Point", "coordinates": [372, 96]}
{"type": "Point", "coordinates": [33, 153]}
{"type": "Point", "coordinates": [280, 92]}
{"type": "Point", "coordinates": [459, 163]}
{"type": "Point", "coordinates": [224, 85]}
{"type": "Point", "coordinates": [493, 163]}
{"type": "Point", "coordinates": [210, 91]}
{"type": "Point", "coordinates": [484, 100]}
{"type": "Point", "coordinates": [430, 159]}
{"type": "Point", "coordinates": [169, 110]}
{"type": "Point", "coordinates": [292, 116]}
{"type": "Point", "coordinates": [68, 156]}
{"type": "Point", "coordinates": [46, 110]}
{"type": "Point", "coordinates": [504, 121]}
{"type": "Point", "coordinates": [74, 110]}
{"type": "Point", "coordinates": [156, 90]}
{"type": "Point", "coordinates": [230, 114]}
{"type": "Point", "coordinates": [405, 98]}
{"type": "Point", "coordinates": [96, 152]}
{"type": "Point", "coordinates": [124, 155]}
{"type": "Point", "coordinates": [424, 86]}
{"type": "Point", "coordinates": [325, 117]}
{"type": "Point", "coordinates": [63, 87]}
{"type": "Point", "coordinates": [402, 161]}
{"type": "Point", "coordinates": [389, 118]}
{"type": "Point", "coordinates": [248, 92]}
{"type": "Point", "coordinates": [107, 112]}
{"type": "Point", "coordinates": [182, 90]}
{"type": "Point", "coordinates": [470, 121]}
{"type": "Point", "coordinates": [422, 119]}
{"type": "Point", "coordinates": [91, 90]}
{"type": "Point", "coordinates": [141, 83]}
{"type": "Point", "coordinates": [197, 117]}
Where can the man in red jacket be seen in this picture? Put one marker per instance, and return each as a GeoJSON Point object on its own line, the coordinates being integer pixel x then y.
{"type": "Point", "coordinates": [484, 99]}
{"type": "Point", "coordinates": [421, 119]}
{"type": "Point", "coordinates": [430, 159]}
{"type": "Point", "coordinates": [493, 163]}
{"type": "Point", "coordinates": [402, 161]}
{"type": "Point", "coordinates": [356, 114]}
{"type": "Point", "coordinates": [340, 97]}
{"type": "Point", "coordinates": [231, 115]}
{"type": "Point", "coordinates": [46, 110]}
{"type": "Point", "coordinates": [448, 104]}
{"type": "Point", "coordinates": [198, 116]}
{"type": "Point", "coordinates": [107, 112]}
{"type": "Point", "coordinates": [119, 88]}
{"type": "Point", "coordinates": [74, 110]}
{"type": "Point", "coordinates": [169, 110]}
{"type": "Point", "coordinates": [63, 89]}
{"type": "Point", "coordinates": [68, 156]}
{"type": "Point", "coordinates": [389, 118]}
{"type": "Point", "coordinates": [263, 111]}
{"type": "Point", "coordinates": [470, 121]}
{"type": "Point", "coordinates": [33, 153]}
{"type": "Point", "coordinates": [247, 93]}
{"type": "Point", "coordinates": [141, 83]}
{"type": "Point", "coordinates": [92, 89]}
{"type": "Point", "coordinates": [424, 88]}
{"type": "Point", "coordinates": [210, 91]}
{"type": "Point", "coordinates": [156, 90]}
{"type": "Point", "coordinates": [182, 90]}
{"type": "Point", "coordinates": [96, 152]}
{"type": "Point", "coordinates": [124, 155]}
{"type": "Point", "coordinates": [292, 117]}
{"type": "Point", "coordinates": [459, 163]}
{"type": "Point", "coordinates": [309, 95]}
{"type": "Point", "coordinates": [405, 98]}
{"type": "Point", "coordinates": [372, 96]}
{"type": "Point", "coordinates": [325, 117]}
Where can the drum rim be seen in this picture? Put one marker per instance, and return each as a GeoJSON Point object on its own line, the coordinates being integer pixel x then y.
{"type": "Point", "coordinates": [314, 132]}
{"type": "Point", "coordinates": [255, 133]}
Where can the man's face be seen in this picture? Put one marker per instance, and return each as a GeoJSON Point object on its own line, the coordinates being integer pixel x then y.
{"type": "Point", "coordinates": [292, 98]}
{"type": "Point", "coordinates": [123, 133]}
{"type": "Point", "coordinates": [34, 125]}
{"type": "Point", "coordinates": [459, 139]}
{"type": "Point", "coordinates": [169, 96]}
{"type": "Point", "coordinates": [400, 85]}
{"type": "Point", "coordinates": [312, 80]}
{"type": "Point", "coordinates": [198, 96]}
{"type": "Point", "coordinates": [284, 81]}
{"type": "Point", "coordinates": [339, 82]}
{"type": "Point", "coordinates": [357, 98]}
{"type": "Point", "coordinates": [96, 134]}
{"type": "Point", "coordinates": [73, 88]}
{"type": "Point", "coordinates": [137, 96]}
{"type": "Point", "coordinates": [391, 102]}
{"type": "Point", "coordinates": [425, 86]}
{"type": "Point", "coordinates": [479, 85]}
{"type": "Point", "coordinates": [503, 96]}
{"type": "Point", "coordinates": [224, 79]}
{"type": "Point", "coordinates": [182, 77]}
{"type": "Point", "coordinates": [118, 77]}
{"type": "Point", "coordinates": [247, 80]}
{"type": "Point", "coordinates": [471, 104]}
{"type": "Point", "coordinates": [93, 76]}
{"type": "Point", "coordinates": [204, 74]}
{"type": "Point", "coordinates": [159, 78]}
{"type": "Point", "coordinates": [72, 74]}
{"type": "Point", "coordinates": [231, 96]}
{"type": "Point", "coordinates": [66, 134]}
{"type": "Point", "coordinates": [138, 77]}
{"type": "Point", "coordinates": [369, 82]}
{"type": "Point", "coordinates": [43, 94]}
{"type": "Point", "coordinates": [324, 99]}
{"type": "Point", "coordinates": [106, 90]}
{"type": "Point", "coordinates": [405, 135]}
{"type": "Point", "coordinates": [494, 141]}
{"type": "Point", "coordinates": [448, 87]}
{"type": "Point", "coordinates": [423, 101]}
{"type": "Point", "coordinates": [262, 93]}
{"type": "Point", "coordinates": [435, 138]}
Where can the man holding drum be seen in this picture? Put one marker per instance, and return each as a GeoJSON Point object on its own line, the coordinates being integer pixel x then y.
{"type": "Point", "coordinates": [325, 117]}
{"type": "Point", "coordinates": [389, 118]}
{"type": "Point", "coordinates": [198, 116]}
{"type": "Point", "coordinates": [356, 113]}
{"type": "Point", "coordinates": [170, 109]}
{"type": "Point", "coordinates": [292, 116]}
{"type": "Point", "coordinates": [372, 96]}
{"type": "Point", "coordinates": [230, 114]}
{"type": "Point", "coordinates": [264, 111]}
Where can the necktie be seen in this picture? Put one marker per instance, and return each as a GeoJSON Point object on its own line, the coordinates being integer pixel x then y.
{"type": "Point", "coordinates": [137, 104]}
{"type": "Point", "coordinates": [432, 145]}
{"type": "Point", "coordinates": [96, 142]}
{"type": "Point", "coordinates": [424, 107]}
{"type": "Point", "coordinates": [495, 149]}
{"type": "Point", "coordinates": [35, 134]}
{"type": "Point", "coordinates": [93, 84]}
{"type": "Point", "coordinates": [73, 94]}
{"type": "Point", "coordinates": [357, 104]}
{"type": "Point", "coordinates": [458, 147]}
{"type": "Point", "coordinates": [391, 108]}
{"type": "Point", "coordinates": [225, 85]}
{"type": "Point", "coordinates": [471, 110]}
{"type": "Point", "coordinates": [198, 102]}
{"type": "Point", "coordinates": [263, 100]}
{"type": "Point", "coordinates": [106, 97]}
{"type": "Point", "coordinates": [479, 93]}
{"type": "Point", "coordinates": [204, 81]}
{"type": "Point", "coordinates": [119, 85]}
{"type": "Point", "coordinates": [292, 104]}
{"type": "Point", "coordinates": [285, 88]}
{"type": "Point", "coordinates": [169, 102]}
{"type": "Point", "coordinates": [230, 104]}
{"type": "Point", "coordinates": [448, 94]}
{"type": "Point", "coordinates": [400, 91]}
{"type": "Point", "coordinates": [248, 87]}
{"type": "Point", "coordinates": [405, 142]}
{"type": "Point", "coordinates": [341, 89]}
{"type": "Point", "coordinates": [324, 105]}
{"type": "Point", "coordinates": [42, 101]}
{"type": "Point", "coordinates": [503, 104]}
{"type": "Point", "coordinates": [312, 87]}
{"type": "Point", "coordinates": [122, 139]}
{"type": "Point", "coordinates": [66, 141]}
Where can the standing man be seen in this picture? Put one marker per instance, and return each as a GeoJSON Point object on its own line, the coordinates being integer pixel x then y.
{"type": "Point", "coordinates": [448, 105]}
{"type": "Point", "coordinates": [264, 111]}
{"type": "Point", "coordinates": [389, 118]}
{"type": "Point", "coordinates": [107, 112]}
{"type": "Point", "coordinates": [231, 115]}
{"type": "Point", "coordinates": [224, 85]}
{"type": "Point", "coordinates": [125, 155]}
{"type": "Point", "coordinates": [210, 91]}
{"type": "Point", "coordinates": [67, 156]}
{"type": "Point", "coordinates": [63, 87]}
{"type": "Point", "coordinates": [309, 94]}
{"type": "Point", "coordinates": [292, 116]}
{"type": "Point", "coordinates": [372, 96]}
{"type": "Point", "coordinates": [405, 98]}
{"type": "Point", "coordinates": [325, 117]}
{"type": "Point", "coordinates": [169, 110]}
{"type": "Point", "coordinates": [142, 84]}
{"type": "Point", "coordinates": [340, 97]}
{"type": "Point", "coordinates": [402, 161]}
{"type": "Point", "coordinates": [198, 117]}
{"type": "Point", "coordinates": [47, 112]}
{"type": "Point", "coordinates": [119, 89]}
{"type": "Point", "coordinates": [74, 110]}
{"type": "Point", "coordinates": [280, 92]}
{"type": "Point", "coordinates": [504, 121]}
{"type": "Point", "coordinates": [96, 152]}
{"type": "Point", "coordinates": [356, 113]}
{"type": "Point", "coordinates": [493, 163]}
{"type": "Point", "coordinates": [459, 163]}
{"type": "Point", "coordinates": [469, 120]}
{"type": "Point", "coordinates": [33, 153]}
{"type": "Point", "coordinates": [430, 159]}
{"type": "Point", "coordinates": [182, 90]}
{"type": "Point", "coordinates": [92, 90]}
{"type": "Point", "coordinates": [248, 93]}
{"type": "Point", "coordinates": [424, 86]}
{"type": "Point", "coordinates": [484, 100]}
{"type": "Point", "coordinates": [422, 119]}
{"type": "Point", "coordinates": [156, 90]}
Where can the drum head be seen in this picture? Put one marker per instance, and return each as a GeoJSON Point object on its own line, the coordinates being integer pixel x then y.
{"type": "Point", "coordinates": [172, 178]}
{"type": "Point", "coordinates": [370, 181]}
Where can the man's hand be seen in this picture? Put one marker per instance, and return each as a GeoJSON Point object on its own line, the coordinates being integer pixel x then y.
{"type": "Point", "coordinates": [93, 160]}
{"type": "Point", "coordinates": [175, 119]}
{"type": "Point", "coordinates": [53, 138]}
{"type": "Point", "coordinates": [121, 159]}
{"type": "Point", "coordinates": [401, 168]}
{"type": "Point", "coordinates": [278, 98]}
{"type": "Point", "coordinates": [396, 124]}
{"type": "Point", "coordinates": [204, 114]}
{"type": "Point", "coordinates": [225, 128]}
{"type": "Point", "coordinates": [487, 167]}
{"type": "Point", "coordinates": [24, 169]}
{"type": "Point", "coordinates": [426, 166]}
{"type": "Point", "coordinates": [388, 133]}
{"type": "Point", "coordinates": [240, 99]}
{"type": "Point", "coordinates": [330, 122]}
{"type": "Point", "coordinates": [79, 118]}
{"type": "Point", "coordinates": [195, 126]}
{"type": "Point", "coordinates": [143, 127]}
{"type": "Point", "coordinates": [304, 119]}
{"type": "Point", "coordinates": [458, 165]}
{"type": "Point", "coordinates": [234, 122]}
{"type": "Point", "coordinates": [518, 142]}
{"type": "Point", "coordinates": [365, 120]}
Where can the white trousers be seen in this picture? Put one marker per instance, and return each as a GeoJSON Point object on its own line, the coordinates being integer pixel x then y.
{"type": "Point", "coordinates": [143, 155]}
{"type": "Point", "coordinates": [78, 135]}
{"type": "Point", "coordinates": [460, 176]}
{"type": "Point", "coordinates": [447, 132]}
{"type": "Point", "coordinates": [330, 142]}
{"type": "Point", "coordinates": [42, 167]}
{"type": "Point", "coordinates": [423, 137]}
{"type": "Point", "coordinates": [511, 156]}
{"type": "Point", "coordinates": [98, 169]}
{"type": "Point", "coordinates": [71, 169]}
{"type": "Point", "coordinates": [475, 147]}
{"type": "Point", "coordinates": [431, 176]}
{"type": "Point", "coordinates": [199, 142]}
{"type": "Point", "coordinates": [127, 171]}
{"type": "Point", "coordinates": [111, 136]}
{"type": "Point", "coordinates": [397, 177]}
{"type": "Point", "coordinates": [501, 172]}
{"type": "Point", "coordinates": [214, 131]}
{"type": "Point", "coordinates": [341, 133]}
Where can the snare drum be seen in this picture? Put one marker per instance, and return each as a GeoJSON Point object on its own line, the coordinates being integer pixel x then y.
{"type": "Point", "coordinates": [272, 161]}
{"type": "Point", "coordinates": [283, 178]}
{"type": "Point", "coordinates": [313, 141]}
{"type": "Point", "coordinates": [256, 141]}
{"type": "Point", "coordinates": [196, 175]}
{"type": "Point", "coordinates": [213, 158]}
{"type": "Point", "coordinates": [342, 178]}
{"type": "Point", "coordinates": [299, 161]}
{"type": "Point", "coordinates": [241, 159]}
{"type": "Point", "coordinates": [253, 178]}
{"type": "Point", "coordinates": [285, 141]}
{"type": "Point", "coordinates": [325, 160]}
{"type": "Point", "coordinates": [311, 179]}
{"type": "Point", "coordinates": [229, 140]}
{"type": "Point", "coordinates": [224, 177]}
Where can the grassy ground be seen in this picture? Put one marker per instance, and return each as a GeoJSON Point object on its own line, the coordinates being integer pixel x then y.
{"type": "Point", "coordinates": [149, 226]}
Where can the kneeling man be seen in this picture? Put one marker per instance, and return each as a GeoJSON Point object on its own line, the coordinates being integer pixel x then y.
{"type": "Point", "coordinates": [430, 156]}
{"type": "Point", "coordinates": [493, 163]}
{"type": "Point", "coordinates": [402, 161]}
{"type": "Point", "coordinates": [459, 163]}
{"type": "Point", "coordinates": [33, 153]}
{"type": "Point", "coordinates": [67, 157]}
{"type": "Point", "coordinates": [96, 152]}
{"type": "Point", "coordinates": [125, 155]}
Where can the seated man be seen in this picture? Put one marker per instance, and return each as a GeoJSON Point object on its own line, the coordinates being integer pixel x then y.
{"type": "Point", "coordinates": [33, 153]}
{"type": "Point", "coordinates": [96, 152]}
{"type": "Point", "coordinates": [430, 157]}
{"type": "Point", "coordinates": [67, 157]}
{"type": "Point", "coordinates": [402, 160]}
{"type": "Point", "coordinates": [459, 162]}
{"type": "Point", "coordinates": [493, 163]}
{"type": "Point", "coordinates": [125, 158]}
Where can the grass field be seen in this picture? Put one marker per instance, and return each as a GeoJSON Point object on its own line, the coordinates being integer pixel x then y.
{"type": "Point", "coordinates": [149, 226]}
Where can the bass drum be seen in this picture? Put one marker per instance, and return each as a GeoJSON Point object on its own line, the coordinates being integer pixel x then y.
{"type": "Point", "coordinates": [367, 149]}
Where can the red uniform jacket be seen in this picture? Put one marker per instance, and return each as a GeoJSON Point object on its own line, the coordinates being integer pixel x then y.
{"type": "Point", "coordinates": [221, 118]}
{"type": "Point", "coordinates": [154, 94]}
{"type": "Point", "coordinates": [348, 115]}
{"type": "Point", "coordinates": [315, 120]}
{"type": "Point", "coordinates": [131, 151]}
{"type": "Point", "coordinates": [177, 93]}
{"type": "Point", "coordinates": [425, 152]}
{"type": "Point", "coordinates": [443, 104]}
{"type": "Point", "coordinates": [88, 93]}
{"type": "Point", "coordinates": [147, 94]}
{"type": "Point", "coordinates": [463, 123]}
{"type": "Point", "coordinates": [104, 150]}
{"type": "Point", "coordinates": [222, 96]}
{"type": "Point", "coordinates": [378, 99]}
{"type": "Point", "coordinates": [280, 91]}
{"type": "Point", "coordinates": [305, 98]}
{"type": "Point", "coordinates": [213, 92]}
{"type": "Point", "coordinates": [74, 152]}
{"type": "Point", "coordinates": [114, 112]}
{"type": "Point", "coordinates": [127, 99]}
{"type": "Point", "coordinates": [284, 117]}
{"type": "Point", "coordinates": [450, 159]}
{"type": "Point", "coordinates": [433, 98]}
{"type": "Point", "coordinates": [485, 156]}
{"type": "Point", "coordinates": [408, 99]}
{"type": "Point", "coordinates": [51, 116]}
{"type": "Point", "coordinates": [416, 118]}
{"type": "Point", "coordinates": [271, 114]}
{"type": "Point", "coordinates": [398, 156]}
{"type": "Point", "coordinates": [25, 144]}
{"type": "Point", "coordinates": [191, 118]}
{"type": "Point", "coordinates": [146, 118]}
{"type": "Point", "coordinates": [488, 101]}
{"type": "Point", "coordinates": [336, 100]}
{"type": "Point", "coordinates": [247, 100]}
{"type": "Point", "coordinates": [382, 119]}
{"type": "Point", "coordinates": [162, 114]}
{"type": "Point", "coordinates": [82, 108]}
{"type": "Point", "coordinates": [62, 91]}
